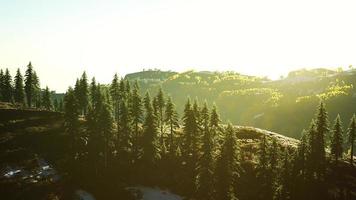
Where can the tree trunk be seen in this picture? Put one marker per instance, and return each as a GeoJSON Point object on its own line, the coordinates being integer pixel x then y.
{"type": "Point", "coordinates": [352, 153]}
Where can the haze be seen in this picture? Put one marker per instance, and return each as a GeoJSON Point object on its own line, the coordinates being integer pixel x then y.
{"type": "Point", "coordinates": [264, 38]}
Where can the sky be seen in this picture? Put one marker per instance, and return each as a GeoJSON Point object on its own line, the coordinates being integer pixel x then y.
{"type": "Point", "coordinates": [256, 37]}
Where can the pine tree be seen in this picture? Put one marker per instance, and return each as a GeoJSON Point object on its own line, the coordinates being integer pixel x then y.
{"type": "Point", "coordinates": [36, 90]}
{"type": "Point", "coordinates": [115, 95]}
{"type": "Point", "coordinates": [105, 121]}
{"type": "Point", "coordinates": [214, 119]}
{"type": "Point", "coordinates": [150, 132]}
{"type": "Point", "coordinates": [322, 131]}
{"type": "Point", "coordinates": [83, 94]}
{"type": "Point", "coordinates": [228, 166]}
{"type": "Point", "coordinates": [93, 91]}
{"type": "Point", "coordinates": [337, 140]}
{"type": "Point", "coordinates": [190, 146]}
{"type": "Point", "coordinates": [135, 109]}
{"type": "Point", "coordinates": [124, 133]}
{"type": "Point", "coordinates": [205, 184]}
{"type": "Point", "coordinates": [29, 85]}
{"type": "Point", "coordinates": [160, 111]}
{"type": "Point", "coordinates": [71, 121]}
{"type": "Point", "coordinates": [352, 137]}
{"type": "Point", "coordinates": [172, 121]}
{"type": "Point", "coordinates": [46, 99]}
{"type": "Point", "coordinates": [19, 92]}
{"type": "Point", "coordinates": [7, 87]}
{"type": "Point", "coordinates": [311, 156]}
{"type": "Point", "coordinates": [1, 85]}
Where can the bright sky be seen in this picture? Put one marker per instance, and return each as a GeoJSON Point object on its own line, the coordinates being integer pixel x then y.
{"type": "Point", "coordinates": [62, 38]}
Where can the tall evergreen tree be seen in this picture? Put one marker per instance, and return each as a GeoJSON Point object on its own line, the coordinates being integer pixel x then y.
{"type": "Point", "coordinates": [337, 140]}
{"type": "Point", "coordinates": [29, 85]}
{"type": "Point", "coordinates": [352, 137]}
{"type": "Point", "coordinates": [46, 99]}
{"type": "Point", "coordinates": [1, 84]}
{"type": "Point", "coordinates": [136, 111]}
{"type": "Point", "coordinates": [19, 92]}
{"type": "Point", "coordinates": [83, 93]}
{"type": "Point", "coordinates": [105, 121]}
{"type": "Point", "coordinates": [161, 105]}
{"type": "Point", "coordinates": [215, 118]}
{"type": "Point", "coordinates": [322, 130]}
{"type": "Point", "coordinates": [115, 95]}
{"type": "Point", "coordinates": [7, 90]}
{"type": "Point", "coordinates": [205, 179]}
{"type": "Point", "coordinates": [71, 121]}
{"type": "Point", "coordinates": [149, 141]}
{"type": "Point", "coordinates": [37, 90]}
{"type": "Point", "coordinates": [228, 166]}
{"type": "Point", "coordinates": [190, 146]}
{"type": "Point", "coordinates": [125, 138]}
{"type": "Point", "coordinates": [172, 121]}
{"type": "Point", "coordinates": [93, 92]}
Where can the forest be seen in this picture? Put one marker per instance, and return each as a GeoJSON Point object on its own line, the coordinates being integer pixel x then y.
{"type": "Point", "coordinates": [126, 133]}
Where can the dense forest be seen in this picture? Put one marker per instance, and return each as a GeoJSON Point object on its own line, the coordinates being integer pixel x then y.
{"type": "Point", "coordinates": [131, 132]}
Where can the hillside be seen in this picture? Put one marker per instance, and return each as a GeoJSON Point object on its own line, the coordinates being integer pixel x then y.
{"type": "Point", "coordinates": [284, 105]}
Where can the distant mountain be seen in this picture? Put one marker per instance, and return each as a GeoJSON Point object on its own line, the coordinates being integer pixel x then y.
{"type": "Point", "coordinates": [286, 105]}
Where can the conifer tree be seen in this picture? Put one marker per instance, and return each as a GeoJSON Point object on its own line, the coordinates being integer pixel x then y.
{"type": "Point", "coordinates": [322, 131]}
{"type": "Point", "coordinates": [105, 122]}
{"type": "Point", "coordinates": [1, 84]}
{"type": "Point", "coordinates": [312, 156]}
{"type": "Point", "coordinates": [46, 99]}
{"type": "Point", "coordinates": [93, 91]}
{"type": "Point", "coordinates": [172, 121]}
{"type": "Point", "coordinates": [29, 85]}
{"type": "Point", "coordinates": [337, 140]}
{"type": "Point", "coordinates": [136, 111]}
{"type": "Point", "coordinates": [122, 90]}
{"type": "Point", "coordinates": [150, 132]}
{"type": "Point", "coordinates": [83, 94]}
{"type": "Point", "coordinates": [228, 166]}
{"type": "Point", "coordinates": [71, 121]}
{"type": "Point", "coordinates": [115, 95]}
{"type": "Point", "coordinates": [160, 105]}
{"type": "Point", "coordinates": [214, 119]}
{"type": "Point", "coordinates": [7, 90]}
{"type": "Point", "coordinates": [37, 90]}
{"type": "Point", "coordinates": [190, 146]}
{"type": "Point", "coordinates": [19, 92]}
{"type": "Point", "coordinates": [205, 184]}
{"type": "Point", "coordinates": [124, 133]}
{"type": "Point", "coordinates": [352, 137]}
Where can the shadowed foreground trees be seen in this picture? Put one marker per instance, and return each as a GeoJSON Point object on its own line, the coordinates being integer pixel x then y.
{"type": "Point", "coordinates": [140, 142]}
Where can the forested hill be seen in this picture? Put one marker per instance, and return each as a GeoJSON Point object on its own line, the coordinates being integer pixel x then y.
{"type": "Point", "coordinates": [285, 105]}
